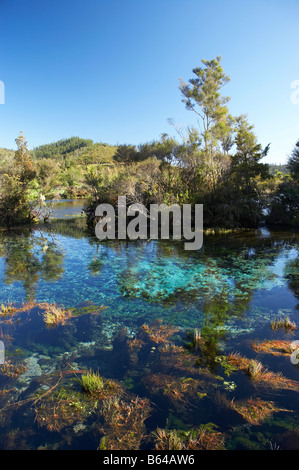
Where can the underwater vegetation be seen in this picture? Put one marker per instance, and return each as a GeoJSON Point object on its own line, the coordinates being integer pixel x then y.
{"type": "Point", "coordinates": [179, 390]}
{"type": "Point", "coordinates": [284, 323]}
{"type": "Point", "coordinates": [255, 410]}
{"type": "Point", "coordinates": [54, 315]}
{"type": "Point", "coordinates": [261, 376]}
{"type": "Point", "coordinates": [278, 347]}
{"type": "Point", "coordinates": [159, 387]}
{"type": "Point", "coordinates": [12, 370]}
{"type": "Point", "coordinates": [61, 408]}
{"type": "Point", "coordinates": [123, 426]}
{"type": "Point", "coordinates": [196, 439]}
{"type": "Point", "coordinates": [6, 310]}
{"type": "Point", "coordinates": [195, 340]}
{"type": "Point", "coordinates": [98, 387]}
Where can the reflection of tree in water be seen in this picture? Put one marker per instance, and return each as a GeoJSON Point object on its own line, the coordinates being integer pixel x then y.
{"type": "Point", "coordinates": [29, 256]}
{"type": "Point", "coordinates": [292, 274]}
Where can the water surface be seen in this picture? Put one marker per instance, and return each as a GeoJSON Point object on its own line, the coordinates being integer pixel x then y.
{"type": "Point", "coordinates": [230, 291]}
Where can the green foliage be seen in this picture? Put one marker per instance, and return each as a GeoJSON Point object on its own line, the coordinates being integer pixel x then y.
{"type": "Point", "coordinates": [278, 169]}
{"type": "Point", "coordinates": [285, 204]}
{"type": "Point", "coordinates": [227, 366]}
{"type": "Point", "coordinates": [61, 148]}
{"type": "Point", "coordinates": [91, 382]}
{"type": "Point", "coordinates": [202, 96]}
{"type": "Point", "coordinates": [293, 163]}
{"type": "Point", "coordinates": [97, 154]}
{"type": "Point", "coordinates": [18, 187]}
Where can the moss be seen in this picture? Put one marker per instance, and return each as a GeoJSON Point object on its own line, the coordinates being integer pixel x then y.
{"type": "Point", "coordinates": [91, 382]}
{"type": "Point", "coordinates": [102, 445]}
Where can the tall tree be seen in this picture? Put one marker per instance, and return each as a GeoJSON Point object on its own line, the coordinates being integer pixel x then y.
{"type": "Point", "coordinates": [23, 161]}
{"type": "Point", "coordinates": [202, 96]}
{"type": "Point", "coordinates": [293, 162]}
{"type": "Point", "coordinates": [17, 187]}
{"type": "Point", "coordinates": [246, 160]}
{"type": "Point", "coordinates": [247, 172]}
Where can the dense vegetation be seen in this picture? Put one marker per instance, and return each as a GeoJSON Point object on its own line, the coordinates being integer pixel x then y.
{"type": "Point", "coordinates": [217, 163]}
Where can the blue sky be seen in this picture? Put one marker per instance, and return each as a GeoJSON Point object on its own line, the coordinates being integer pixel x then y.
{"type": "Point", "coordinates": [109, 70]}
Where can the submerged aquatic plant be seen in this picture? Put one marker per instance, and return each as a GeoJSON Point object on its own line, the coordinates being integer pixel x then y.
{"type": "Point", "coordinates": [275, 347]}
{"type": "Point", "coordinates": [99, 387]}
{"type": "Point", "coordinates": [261, 376]}
{"type": "Point", "coordinates": [285, 323]}
{"type": "Point", "coordinates": [168, 440]}
{"type": "Point", "coordinates": [54, 315]}
{"type": "Point", "coordinates": [89, 309]}
{"type": "Point", "coordinates": [173, 357]}
{"type": "Point", "coordinates": [227, 366]}
{"type": "Point", "coordinates": [12, 370]}
{"type": "Point", "coordinates": [157, 332]}
{"type": "Point", "coordinates": [203, 438]}
{"type": "Point", "coordinates": [194, 340]}
{"type": "Point", "coordinates": [181, 391]}
{"type": "Point", "coordinates": [124, 426]}
{"type": "Point", "coordinates": [7, 310]}
{"type": "Point", "coordinates": [62, 408]}
{"type": "Point", "coordinates": [92, 383]}
{"type": "Point", "coordinates": [255, 410]}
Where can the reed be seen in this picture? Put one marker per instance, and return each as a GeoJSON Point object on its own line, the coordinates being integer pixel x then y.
{"type": "Point", "coordinates": [285, 323]}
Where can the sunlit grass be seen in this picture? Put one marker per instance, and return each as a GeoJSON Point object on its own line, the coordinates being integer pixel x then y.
{"type": "Point", "coordinates": [54, 315]}
{"type": "Point", "coordinates": [92, 382]}
{"type": "Point", "coordinates": [285, 323]}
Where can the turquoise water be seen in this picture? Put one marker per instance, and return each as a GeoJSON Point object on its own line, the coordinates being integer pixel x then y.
{"type": "Point", "coordinates": [231, 290]}
{"type": "Point", "coordinates": [159, 278]}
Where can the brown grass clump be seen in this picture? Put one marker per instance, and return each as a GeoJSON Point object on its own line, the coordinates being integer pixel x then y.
{"type": "Point", "coordinates": [285, 323]}
{"type": "Point", "coordinates": [198, 439]}
{"type": "Point", "coordinates": [54, 315]}
{"type": "Point", "coordinates": [179, 390]}
{"type": "Point", "coordinates": [255, 411]}
{"type": "Point", "coordinates": [157, 332]}
{"type": "Point", "coordinates": [10, 309]}
{"type": "Point", "coordinates": [261, 376]}
{"type": "Point", "coordinates": [124, 426]}
{"type": "Point", "coordinates": [278, 381]}
{"type": "Point", "coordinates": [251, 367]}
{"type": "Point", "coordinates": [275, 347]}
{"type": "Point", "coordinates": [62, 408]}
{"type": "Point", "coordinates": [12, 370]}
{"type": "Point", "coordinates": [176, 357]}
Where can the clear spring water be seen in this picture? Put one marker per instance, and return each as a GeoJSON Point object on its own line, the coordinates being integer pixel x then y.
{"type": "Point", "coordinates": [232, 288]}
